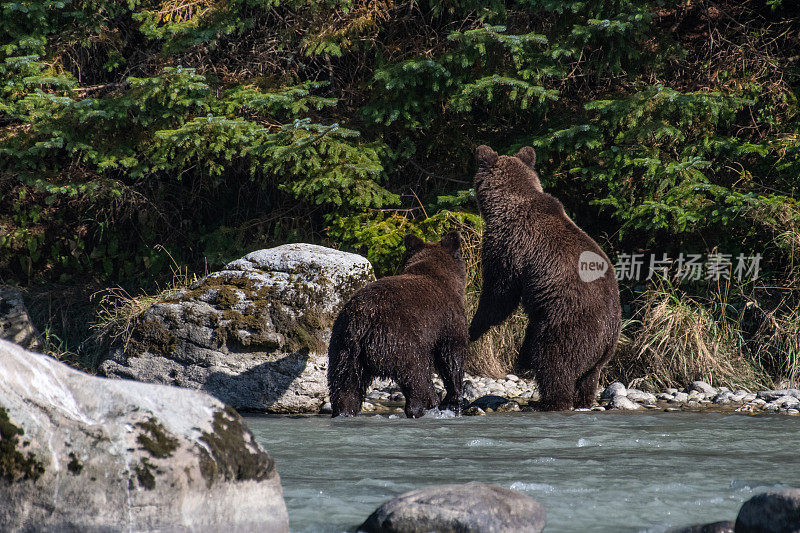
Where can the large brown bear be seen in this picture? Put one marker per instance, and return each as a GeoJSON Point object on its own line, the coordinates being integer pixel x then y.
{"type": "Point", "coordinates": [534, 253]}
{"type": "Point", "coordinates": [402, 327]}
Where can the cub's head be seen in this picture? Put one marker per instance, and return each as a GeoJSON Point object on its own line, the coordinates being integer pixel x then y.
{"type": "Point", "coordinates": [511, 173]}
{"type": "Point", "coordinates": [444, 255]}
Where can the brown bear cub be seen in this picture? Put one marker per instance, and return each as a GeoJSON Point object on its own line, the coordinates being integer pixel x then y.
{"type": "Point", "coordinates": [534, 253]}
{"type": "Point", "coordinates": [403, 327]}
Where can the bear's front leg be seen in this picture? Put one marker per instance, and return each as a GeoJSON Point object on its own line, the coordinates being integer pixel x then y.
{"type": "Point", "coordinates": [500, 295]}
{"type": "Point", "coordinates": [419, 395]}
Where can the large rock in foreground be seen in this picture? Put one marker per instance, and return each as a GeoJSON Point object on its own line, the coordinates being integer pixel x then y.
{"type": "Point", "coordinates": [468, 508]}
{"type": "Point", "coordinates": [770, 512]}
{"type": "Point", "coordinates": [82, 453]}
{"type": "Point", "coordinates": [254, 335]}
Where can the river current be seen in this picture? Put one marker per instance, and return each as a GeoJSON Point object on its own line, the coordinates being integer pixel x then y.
{"type": "Point", "coordinates": [604, 472]}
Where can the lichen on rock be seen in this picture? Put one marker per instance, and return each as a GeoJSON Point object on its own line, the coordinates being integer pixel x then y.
{"type": "Point", "coordinates": [155, 439]}
{"type": "Point", "coordinates": [229, 452]}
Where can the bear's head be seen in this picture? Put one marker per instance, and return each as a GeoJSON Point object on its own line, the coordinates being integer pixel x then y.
{"type": "Point", "coordinates": [513, 174]}
{"type": "Point", "coordinates": [443, 257]}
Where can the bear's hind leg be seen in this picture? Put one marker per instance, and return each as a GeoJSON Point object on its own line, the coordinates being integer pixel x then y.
{"type": "Point", "coordinates": [586, 386]}
{"type": "Point", "coordinates": [449, 362]}
{"type": "Point", "coordinates": [556, 383]}
{"type": "Point", "coordinates": [347, 383]}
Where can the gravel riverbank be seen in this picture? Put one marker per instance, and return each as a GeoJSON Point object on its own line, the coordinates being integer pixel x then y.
{"type": "Point", "coordinates": [485, 395]}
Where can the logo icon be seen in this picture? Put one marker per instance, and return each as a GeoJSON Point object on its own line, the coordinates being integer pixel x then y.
{"type": "Point", "coordinates": [591, 266]}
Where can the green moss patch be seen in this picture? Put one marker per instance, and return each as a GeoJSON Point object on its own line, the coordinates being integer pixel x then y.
{"type": "Point", "coordinates": [155, 439]}
{"type": "Point", "coordinates": [151, 336]}
{"type": "Point", "coordinates": [227, 454]}
{"type": "Point", "coordinates": [14, 465]}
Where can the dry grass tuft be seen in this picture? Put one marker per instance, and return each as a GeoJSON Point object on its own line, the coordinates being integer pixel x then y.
{"type": "Point", "coordinates": [674, 340]}
{"type": "Point", "coordinates": [118, 310]}
{"type": "Point", "coordinates": [776, 344]}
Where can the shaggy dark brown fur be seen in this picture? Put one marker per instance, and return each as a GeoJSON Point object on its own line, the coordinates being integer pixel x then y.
{"type": "Point", "coordinates": [530, 253]}
{"type": "Point", "coordinates": [402, 327]}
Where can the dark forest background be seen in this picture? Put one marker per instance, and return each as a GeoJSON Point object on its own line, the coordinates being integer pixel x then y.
{"type": "Point", "coordinates": [141, 141]}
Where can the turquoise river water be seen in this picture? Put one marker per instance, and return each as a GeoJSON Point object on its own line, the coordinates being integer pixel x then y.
{"type": "Point", "coordinates": [634, 472]}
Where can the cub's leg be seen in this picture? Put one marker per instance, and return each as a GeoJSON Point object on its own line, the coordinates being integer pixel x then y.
{"type": "Point", "coordinates": [449, 361]}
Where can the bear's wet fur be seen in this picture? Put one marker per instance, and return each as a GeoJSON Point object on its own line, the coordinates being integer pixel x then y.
{"type": "Point", "coordinates": [403, 327]}
{"type": "Point", "coordinates": [530, 254]}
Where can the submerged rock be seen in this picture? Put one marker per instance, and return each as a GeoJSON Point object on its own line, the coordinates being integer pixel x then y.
{"type": "Point", "coordinates": [489, 402]}
{"type": "Point", "coordinates": [770, 512]}
{"type": "Point", "coordinates": [254, 335]}
{"type": "Point", "coordinates": [15, 323]}
{"type": "Point", "coordinates": [467, 508]}
{"type": "Point", "coordinates": [716, 527]}
{"type": "Point", "coordinates": [80, 453]}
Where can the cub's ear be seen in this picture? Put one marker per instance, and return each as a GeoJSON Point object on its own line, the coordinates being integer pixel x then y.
{"type": "Point", "coordinates": [527, 155]}
{"type": "Point", "coordinates": [451, 242]}
{"type": "Point", "coordinates": [486, 156]}
{"type": "Point", "coordinates": [413, 243]}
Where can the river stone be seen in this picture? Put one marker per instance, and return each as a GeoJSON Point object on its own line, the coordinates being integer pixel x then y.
{"type": "Point", "coordinates": [623, 403]}
{"type": "Point", "coordinates": [641, 396]}
{"type": "Point", "coordinates": [466, 508]}
{"type": "Point", "coordinates": [254, 335]}
{"type": "Point", "coordinates": [770, 395]}
{"type": "Point", "coordinates": [680, 397]}
{"type": "Point", "coordinates": [83, 453]}
{"type": "Point", "coordinates": [770, 512]}
{"type": "Point", "coordinates": [615, 389]}
{"type": "Point", "coordinates": [15, 323]}
{"type": "Point", "coordinates": [702, 386]}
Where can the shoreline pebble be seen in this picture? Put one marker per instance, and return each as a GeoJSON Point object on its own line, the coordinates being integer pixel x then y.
{"type": "Point", "coordinates": [484, 395]}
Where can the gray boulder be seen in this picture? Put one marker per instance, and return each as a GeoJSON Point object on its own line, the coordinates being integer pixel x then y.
{"type": "Point", "coordinates": [640, 396]}
{"type": "Point", "coordinates": [614, 389]}
{"type": "Point", "coordinates": [703, 387]}
{"type": "Point", "coordinates": [770, 512]}
{"type": "Point", "coordinates": [254, 335]}
{"type": "Point", "coordinates": [15, 323]}
{"type": "Point", "coordinates": [467, 508]}
{"type": "Point", "coordinates": [624, 404]}
{"type": "Point", "coordinates": [83, 453]}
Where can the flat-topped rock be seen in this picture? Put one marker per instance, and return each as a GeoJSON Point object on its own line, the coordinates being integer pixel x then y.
{"type": "Point", "coordinates": [254, 334]}
{"type": "Point", "coordinates": [83, 453]}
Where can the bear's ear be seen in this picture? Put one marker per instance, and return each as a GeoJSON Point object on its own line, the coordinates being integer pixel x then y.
{"type": "Point", "coordinates": [451, 242]}
{"type": "Point", "coordinates": [527, 155]}
{"type": "Point", "coordinates": [413, 243]}
{"type": "Point", "coordinates": [486, 156]}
